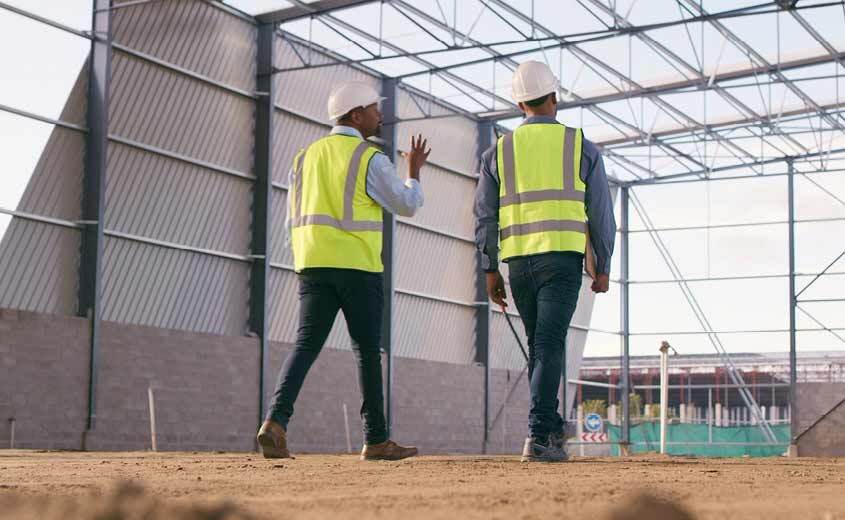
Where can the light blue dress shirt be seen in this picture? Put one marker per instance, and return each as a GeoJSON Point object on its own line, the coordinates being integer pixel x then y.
{"type": "Point", "coordinates": [383, 185]}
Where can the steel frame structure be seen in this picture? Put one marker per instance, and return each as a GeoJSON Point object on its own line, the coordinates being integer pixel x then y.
{"type": "Point", "coordinates": [692, 147]}
{"type": "Point", "coordinates": [774, 130]}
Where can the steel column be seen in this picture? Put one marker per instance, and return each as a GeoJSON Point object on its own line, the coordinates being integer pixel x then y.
{"type": "Point", "coordinates": [93, 192]}
{"type": "Point", "coordinates": [262, 203]}
{"type": "Point", "coordinates": [625, 317]}
{"type": "Point", "coordinates": [482, 303]}
{"type": "Point", "coordinates": [389, 91]}
{"type": "Point", "coordinates": [793, 366]}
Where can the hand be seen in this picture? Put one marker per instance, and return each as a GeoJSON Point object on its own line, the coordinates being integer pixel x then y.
{"type": "Point", "coordinates": [417, 156]}
{"type": "Point", "coordinates": [496, 288]}
{"type": "Point", "coordinates": [601, 283]}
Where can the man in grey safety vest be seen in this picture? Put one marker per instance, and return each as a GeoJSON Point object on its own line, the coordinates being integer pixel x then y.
{"type": "Point", "coordinates": [541, 188]}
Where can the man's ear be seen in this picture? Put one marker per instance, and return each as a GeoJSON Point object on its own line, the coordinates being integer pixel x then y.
{"type": "Point", "coordinates": [554, 98]}
{"type": "Point", "coordinates": [357, 116]}
{"type": "Point", "coordinates": [521, 106]}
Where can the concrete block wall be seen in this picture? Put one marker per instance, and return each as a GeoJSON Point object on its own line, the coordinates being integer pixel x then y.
{"type": "Point", "coordinates": [509, 432]}
{"type": "Point", "coordinates": [438, 407]}
{"type": "Point", "coordinates": [827, 438]}
{"type": "Point", "coordinates": [206, 392]}
{"type": "Point", "coordinates": [205, 388]}
{"type": "Point", "coordinates": [317, 424]}
{"type": "Point", "coordinates": [43, 379]}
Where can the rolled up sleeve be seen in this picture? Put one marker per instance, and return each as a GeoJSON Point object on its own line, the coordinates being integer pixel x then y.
{"type": "Point", "coordinates": [386, 188]}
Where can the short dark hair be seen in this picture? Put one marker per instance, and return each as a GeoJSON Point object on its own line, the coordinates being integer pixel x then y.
{"type": "Point", "coordinates": [347, 117]}
{"type": "Point", "coordinates": [537, 102]}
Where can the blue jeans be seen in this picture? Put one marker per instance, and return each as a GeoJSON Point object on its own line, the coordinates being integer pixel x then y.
{"type": "Point", "coordinates": [322, 293]}
{"type": "Point", "coordinates": [545, 290]}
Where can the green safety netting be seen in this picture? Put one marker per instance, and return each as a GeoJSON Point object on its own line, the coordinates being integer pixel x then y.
{"type": "Point", "coordinates": [646, 437]}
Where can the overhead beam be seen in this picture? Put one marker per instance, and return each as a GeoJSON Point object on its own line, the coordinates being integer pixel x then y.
{"type": "Point", "coordinates": [302, 10]}
{"type": "Point", "coordinates": [681, 85]}
{"type": "Point", "coordinates": [585, 57]}
{"type": "Point", "coordinates": [680, 130]}
{"type": "Point", "coordinates": [752, 53]}
{"type": "Point", "coordinates": [446, 76]}
{"type": "Point", "coordinates": [604, 115]}
{"type": "Point", "coordinates": [673, 59]}
{"type": "Point", "coordinates": [339, 60]}
{"type": "Point", "coordinates": [761, 162]}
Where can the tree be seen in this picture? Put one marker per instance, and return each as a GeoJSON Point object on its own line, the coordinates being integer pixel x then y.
{"type": "Point", "coordinates": [595, 406]}
{"type": "Point", "coordinates": [635, 404]}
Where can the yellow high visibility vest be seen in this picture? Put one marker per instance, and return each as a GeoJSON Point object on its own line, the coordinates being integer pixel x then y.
{"type": "Point", "coordinates": [334, 222]}
{"type": "Point", "coordinates": [541, 194]}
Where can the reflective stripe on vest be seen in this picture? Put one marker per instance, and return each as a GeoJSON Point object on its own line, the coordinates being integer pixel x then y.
{"type": "Point", "coordinates": [548, 214]}
{"type": "Point", "coordinates": [326, 232]}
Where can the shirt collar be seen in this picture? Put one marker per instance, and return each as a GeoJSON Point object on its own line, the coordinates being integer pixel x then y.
{"type": "Point", "coordinates": [346, 130]}
{"type": "Point", "coordinates": [539, 119]}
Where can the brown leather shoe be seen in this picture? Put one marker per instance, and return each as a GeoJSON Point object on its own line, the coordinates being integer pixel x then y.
{"type": "Point", "coordinates": [387, 450]}
{"type": "Point", "coordinates": [273, 441]}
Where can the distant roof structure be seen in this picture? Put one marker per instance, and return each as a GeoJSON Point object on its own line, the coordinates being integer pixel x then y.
{"type": "Point", "coordinates": [670, 89]}
{"type": "Point", "coordinates": [812, 365]}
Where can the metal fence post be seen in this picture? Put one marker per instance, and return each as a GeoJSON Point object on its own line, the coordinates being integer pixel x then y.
{"type": "Point", "coordinates": [262, 203]}
{"type": "Point", "coordinates": [793, 365]}
{"type": "Point", "coordinates": [389, 111]}
{"type": "Point", "coordinates": [482, 304]}
{"type": "Point", "coordinates": [664, 395]}
{"type": "Point", "coordinates": [93, 193]}
{"type": "Point", "coordinates": [625, 325]}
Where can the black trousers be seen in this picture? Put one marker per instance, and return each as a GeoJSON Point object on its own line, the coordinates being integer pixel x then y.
{"type": "Point", "coordinates": [545, 289]}
{"type": "Point", "coordinates": [322, 293]}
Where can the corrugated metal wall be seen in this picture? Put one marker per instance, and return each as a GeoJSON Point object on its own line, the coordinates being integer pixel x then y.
{"type": "Point", "coordinates": [39, 262]}
{"type": "Point", "coordinates": [183, 175]}
{"type": "Point", "coordinates": [435, 255]}
{"type": "Point", "coordinates": [179, 192]}
{"type": "Point", "coordinates": [38, 267]}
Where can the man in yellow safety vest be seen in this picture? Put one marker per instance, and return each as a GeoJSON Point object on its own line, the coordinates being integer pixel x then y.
{"type": "Point", "coordinates": [338, 187]}
{"type": "Point", "coordinates": [541, 188]}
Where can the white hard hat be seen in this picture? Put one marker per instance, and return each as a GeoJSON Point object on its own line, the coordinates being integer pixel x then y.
{"type": "Point", "coordinates": [532, 80]}
{"type": "Point", "coordinates": [350, 95]}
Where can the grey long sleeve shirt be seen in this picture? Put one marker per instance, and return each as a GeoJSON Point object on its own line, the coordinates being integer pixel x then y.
{"type": "Point", "coordinates": [599, 205]}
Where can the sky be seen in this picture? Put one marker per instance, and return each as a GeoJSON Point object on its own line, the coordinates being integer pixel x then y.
{"type": "Point", "coordinates": [38, 76]}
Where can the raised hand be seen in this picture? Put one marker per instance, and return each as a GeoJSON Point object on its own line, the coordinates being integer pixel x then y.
{"type": "Point", "coordinates": [417, 156]}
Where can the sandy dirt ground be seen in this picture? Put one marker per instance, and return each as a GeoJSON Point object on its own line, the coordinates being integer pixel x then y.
{"type": "Point", "coordinates": [431, 487]}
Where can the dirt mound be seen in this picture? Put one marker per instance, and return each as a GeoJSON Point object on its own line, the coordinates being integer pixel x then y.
{"type": "Point", "coordinates": [124, 501]}
{"type": "Point", "coordinates": [644, 505]}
